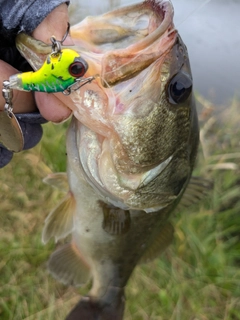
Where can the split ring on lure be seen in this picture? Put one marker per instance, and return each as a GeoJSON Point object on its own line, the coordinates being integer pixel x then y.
{"type": "Point", "coordinates": [59, 73]}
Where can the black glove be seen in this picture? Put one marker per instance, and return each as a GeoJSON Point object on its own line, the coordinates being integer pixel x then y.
{"type": "Point", "coordinates": [32, 132]}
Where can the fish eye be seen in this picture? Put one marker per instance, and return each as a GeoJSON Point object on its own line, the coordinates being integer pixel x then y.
{"type": "Point", "coordinates": [179, 88]}
{"type": "Point", "coordinates": [78, 68]}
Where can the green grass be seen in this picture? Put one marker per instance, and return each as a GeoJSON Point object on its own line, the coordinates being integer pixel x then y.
{"type": "Point", "coordinates": [197, 278]}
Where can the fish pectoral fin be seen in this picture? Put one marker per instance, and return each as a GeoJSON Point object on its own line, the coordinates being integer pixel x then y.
{"type": "Point", "coordinates": [58, 180]}
{"type": "Point", "coordinates": [59, 223]}
{"type": "Point", "coordinates": [68, 266]}
{"type": "Point", "coordinates": [116, 221]}
{"type": "Point", "coordinates": [197, 189]}
{"type": "Point", "coordinates": [162, 240]}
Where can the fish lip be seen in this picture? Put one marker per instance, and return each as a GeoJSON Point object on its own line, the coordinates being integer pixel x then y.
{"type": "Point", "coordinates": [121, 64]}
{"type": "Point", "coordinates": [164, 6]}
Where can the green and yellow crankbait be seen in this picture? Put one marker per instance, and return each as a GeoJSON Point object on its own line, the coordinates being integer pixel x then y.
{"type": "Point", "coordinates": [59, 72]}
{"type": "Point", "coordinates": [62, 71]}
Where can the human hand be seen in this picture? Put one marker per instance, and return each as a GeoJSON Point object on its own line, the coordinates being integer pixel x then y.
{"type": "Point", "coordinates": [50, 107]}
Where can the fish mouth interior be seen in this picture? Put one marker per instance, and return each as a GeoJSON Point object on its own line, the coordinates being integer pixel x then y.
{"type": "Point", "coordinates": [117, 35]}
{"type": "Point", "coordinates": [136, 26]}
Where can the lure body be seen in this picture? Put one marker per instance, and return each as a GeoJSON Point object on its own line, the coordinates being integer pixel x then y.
{"type": "Point", "coordinates": [59, 72]}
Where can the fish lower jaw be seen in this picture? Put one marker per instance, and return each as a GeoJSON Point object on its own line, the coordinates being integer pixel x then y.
{"type": "Point", "coordinates": [133, 189]}
{"type": "Point", "coordinates": [126, 191]}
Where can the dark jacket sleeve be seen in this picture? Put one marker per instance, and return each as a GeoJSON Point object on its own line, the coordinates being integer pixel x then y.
{"type": "Point", "coordinates": [20, 16]}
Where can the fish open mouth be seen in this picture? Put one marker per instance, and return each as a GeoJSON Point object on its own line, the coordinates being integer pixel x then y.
{"type": "Point", "coordinates": [127, 38]}
{"type": "Point", "coordinates": [123, 139]}
{"type": "Point", "coordinates": [121, 42]}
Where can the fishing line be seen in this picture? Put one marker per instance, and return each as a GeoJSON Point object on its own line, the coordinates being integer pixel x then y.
{"type": "Point", "coordinates": [194, 11]}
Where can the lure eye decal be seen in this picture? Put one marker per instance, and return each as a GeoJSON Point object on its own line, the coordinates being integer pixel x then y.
{"type": "Point", "coordinates": [78, 68]}
{"type": "Point", "coordinates": [179, 88]}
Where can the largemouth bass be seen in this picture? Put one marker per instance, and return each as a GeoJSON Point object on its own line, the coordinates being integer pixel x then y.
{"type": "Point", "coordinates": [131, 149]}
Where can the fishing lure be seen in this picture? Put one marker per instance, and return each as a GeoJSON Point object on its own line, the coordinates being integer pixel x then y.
{"type": "Point", "coordinates": [61, 71]}
{"type": "Point", "coordinates": [11, 135]}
